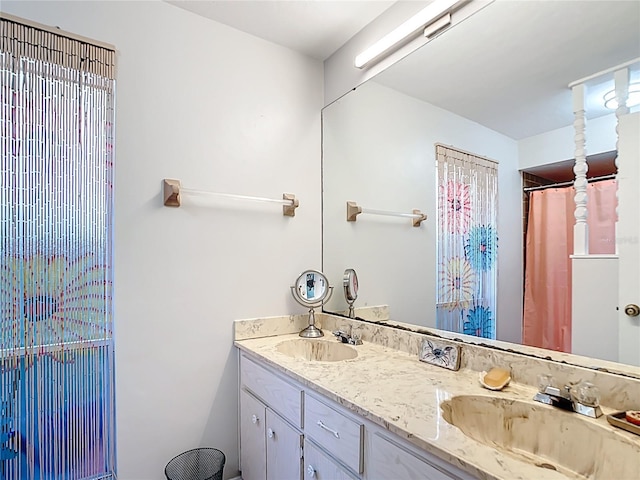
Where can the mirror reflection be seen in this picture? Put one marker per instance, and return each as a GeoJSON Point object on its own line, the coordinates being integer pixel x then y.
{"type": "Point", "coordinates": [475, 121]}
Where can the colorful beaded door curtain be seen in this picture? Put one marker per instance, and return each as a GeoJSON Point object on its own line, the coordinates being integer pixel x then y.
{"type": "Point", "coordinates": [467, 243]}
{"type": "Point", "coordinates": [56, 174]}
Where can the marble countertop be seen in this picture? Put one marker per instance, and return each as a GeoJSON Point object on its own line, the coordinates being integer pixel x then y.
{"type": "Point", "coordinates": [395, 390]}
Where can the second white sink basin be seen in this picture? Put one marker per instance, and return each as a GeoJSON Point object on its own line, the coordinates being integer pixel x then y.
{"type": "Point", "coordinates": [574, 445]}
{"type": "Point", "coordinates": [317, 350]}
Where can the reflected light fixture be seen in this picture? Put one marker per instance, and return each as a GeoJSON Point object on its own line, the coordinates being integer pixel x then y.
{"type": "Point", "coordinates": [422, 19]}
{"type": "Point", "coordinates": [433, 28]}
{"type": "Point", "coordinates": [633, 99]}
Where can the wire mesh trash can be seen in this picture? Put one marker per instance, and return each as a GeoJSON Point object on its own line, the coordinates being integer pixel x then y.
{"type": "Point", "coordinates": [196, 464]}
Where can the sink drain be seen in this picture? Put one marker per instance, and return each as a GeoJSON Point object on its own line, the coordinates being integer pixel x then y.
{"type": "Point", "coordinates": [548, 466]}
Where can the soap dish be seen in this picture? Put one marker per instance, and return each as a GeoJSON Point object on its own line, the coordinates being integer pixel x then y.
{"type": "Point", "coordinates": [497, 387]}
{"type": "Point", "coordinates": [617, 419]}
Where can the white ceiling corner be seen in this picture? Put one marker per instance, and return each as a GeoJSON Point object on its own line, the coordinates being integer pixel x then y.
{"type": "Point", "coordinates": [507, 67]}
{"type": "Point", "coordinates": [314, 28]}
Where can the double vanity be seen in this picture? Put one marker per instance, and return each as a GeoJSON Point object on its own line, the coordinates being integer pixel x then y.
{"type": "Point", "coordinates": [320, 409]}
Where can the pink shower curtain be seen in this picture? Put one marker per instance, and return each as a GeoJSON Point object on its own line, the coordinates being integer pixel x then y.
{"type": "Point", "coordinates": [547, 297]}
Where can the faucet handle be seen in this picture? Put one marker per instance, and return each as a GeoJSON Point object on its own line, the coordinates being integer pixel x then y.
{"type": "Point", "coordinates": [356, 334]}
{"type": "Point", "coordinates": [341, 335]}
{"type": "Point", "coordinates": [545, 381]}
{"type": "Point", "coordinates": [586, 393]}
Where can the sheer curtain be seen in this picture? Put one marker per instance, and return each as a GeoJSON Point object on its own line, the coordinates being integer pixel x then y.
{"type": "Point", "coordinates": [467, 243]}
{"type": "Point", "coordinates": [547, 298]}
{"type": "Point", "coordinates": [56, 177]}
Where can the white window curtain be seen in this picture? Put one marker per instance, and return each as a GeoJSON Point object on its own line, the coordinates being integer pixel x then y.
{"type": "Point", "coordinates": [56, 182]}
{"type": "Point", "coordinates": [467, 243]}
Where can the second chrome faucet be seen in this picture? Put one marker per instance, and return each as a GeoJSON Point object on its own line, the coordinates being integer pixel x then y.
{"type": "Point", "coordinates": [345, 337]}
{"type": "Point", "coordinates": [582, 398]}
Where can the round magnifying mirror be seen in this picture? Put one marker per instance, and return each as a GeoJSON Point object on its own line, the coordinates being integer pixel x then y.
{"type": "Point", "coordinates": [350, 284]}
{"type": "Point", "coordinates": [311, 288]}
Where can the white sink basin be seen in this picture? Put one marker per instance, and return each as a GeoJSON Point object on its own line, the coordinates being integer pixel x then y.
{"type": "Point", "coordinates": [317, 350]}
{"type": "Point", "coordinates": [574, 445]}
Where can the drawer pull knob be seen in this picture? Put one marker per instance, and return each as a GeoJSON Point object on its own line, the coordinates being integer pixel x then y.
{"type": "Point", "coordinates": [270, 433]}
{"type": "Point", "coordinates": [311, 472]}
{"type": "Point", "coordinates": [324, 427]}
{"type": "Point", "coordinates": [254, 419]}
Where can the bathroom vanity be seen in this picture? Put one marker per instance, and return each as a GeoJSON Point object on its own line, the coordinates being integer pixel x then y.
{"type": "Point", "coordinates": [310, 409]}
{"type": "Point", "coordinates": [289, 431]}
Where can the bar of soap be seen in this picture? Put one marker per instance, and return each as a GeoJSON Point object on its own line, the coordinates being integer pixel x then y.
{"type": "Point", "coordinates": [496, 378]}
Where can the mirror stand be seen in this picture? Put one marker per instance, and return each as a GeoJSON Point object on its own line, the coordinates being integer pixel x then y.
{"type": "Point", "coordinates": [311, 331]}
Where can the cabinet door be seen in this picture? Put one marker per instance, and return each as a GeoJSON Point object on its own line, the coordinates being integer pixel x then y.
{"type": "Point", "coordinates": [252, 438]}
{"type": "Point", "coordinates": [284, 449]}
{"type": "Point", "coordinates": [319, 466]}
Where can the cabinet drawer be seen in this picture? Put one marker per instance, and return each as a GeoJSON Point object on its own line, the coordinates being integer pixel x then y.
{"type": "Point", "coordinates": [280, 395]}
{"type": "Point", "coordinates": [320, 466]}
{"type": "Point", "coordinates": [336, 433]}
{"type": "Point", "coordinates": [388, 460]}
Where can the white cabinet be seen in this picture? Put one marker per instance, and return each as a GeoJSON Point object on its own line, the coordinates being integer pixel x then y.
{"type": "Point", "coordinates": [284, 449]}
{"type": "Point", "coordinates": [270, 448]}
{"type": "Point", "coordinates": [270, 418]}
{"type": "Point", "coordinates": [287, 433]}
{"type": "Point", "coordinates": [253, 457]}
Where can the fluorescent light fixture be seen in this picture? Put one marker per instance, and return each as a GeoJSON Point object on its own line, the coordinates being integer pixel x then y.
{"type": "Point", "coordinates": [421, 19]}
{"type": "Point", "coordinates": [633, 99]}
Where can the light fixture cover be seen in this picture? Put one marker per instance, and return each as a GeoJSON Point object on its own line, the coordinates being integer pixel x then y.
{"type": "Point", "coordinates": [421, 19]}
{"type": "Point", "coordinates": [633, 98]}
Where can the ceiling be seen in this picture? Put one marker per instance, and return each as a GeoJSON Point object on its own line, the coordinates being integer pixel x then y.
{"type": "Point", "coordinates": [316, 28]}
{"type": "Point", "coordinates": [507, 67]}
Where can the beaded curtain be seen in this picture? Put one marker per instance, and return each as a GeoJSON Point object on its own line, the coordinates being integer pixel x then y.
{"type": "Point", "coordinates": [467, 243]}
{"type": "Point", "coordinates": [56, 173]}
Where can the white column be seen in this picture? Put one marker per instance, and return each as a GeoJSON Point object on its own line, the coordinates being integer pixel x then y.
{"type": "Point", "coordinates": [580, 229]}
{"type": "Point", "coordinates": [621, 83]}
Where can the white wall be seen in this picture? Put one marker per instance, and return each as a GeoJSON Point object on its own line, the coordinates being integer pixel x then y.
{"type": "Point", "coordinates": [379, 151]}
{"type": "Point", "coordinates": [594, 304]}
{"type": "Point", "coordinates": [559, 145]}
{"type": "Point", "coordinates": [222, 111]}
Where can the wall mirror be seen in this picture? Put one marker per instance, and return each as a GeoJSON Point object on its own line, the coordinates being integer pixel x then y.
{"type": "Point", "coordinates": [493, 85]}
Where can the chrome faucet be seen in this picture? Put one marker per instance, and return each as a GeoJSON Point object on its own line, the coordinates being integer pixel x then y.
{"type": "Point", "coordinates": [582, 398]}
{"type": "Point", "coordinates": [344, 337]}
